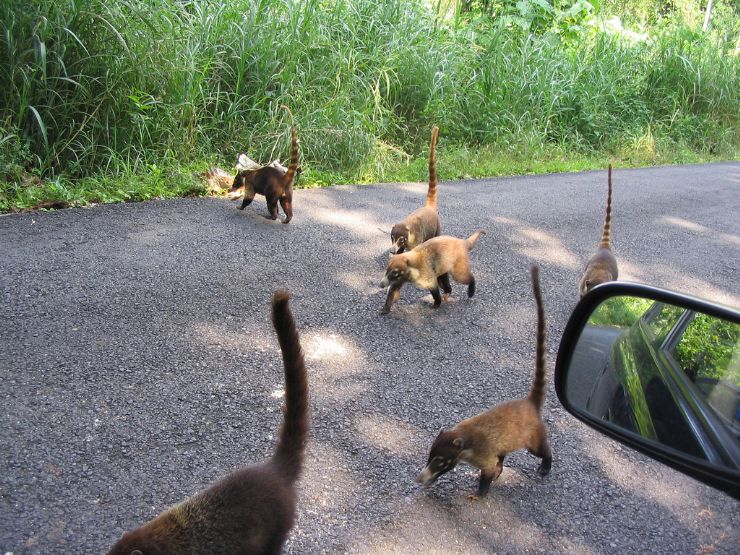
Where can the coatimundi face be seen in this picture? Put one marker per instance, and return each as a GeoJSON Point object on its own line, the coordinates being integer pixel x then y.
{"type": "Point", "coordinates": [397, 271]}
{"type": "Point", "coordinates": [401, 236]}
{"type": "Point", "coordinates": [443, 457]}
{"type": "Point", "coordinates": [240, 180]}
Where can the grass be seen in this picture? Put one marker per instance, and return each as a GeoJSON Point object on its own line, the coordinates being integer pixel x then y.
{"type": "Point", "coordinates": [109, 100]}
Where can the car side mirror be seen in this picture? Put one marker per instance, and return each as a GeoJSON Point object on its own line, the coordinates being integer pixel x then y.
{"type": "Point", "coordinates": [660, 372]}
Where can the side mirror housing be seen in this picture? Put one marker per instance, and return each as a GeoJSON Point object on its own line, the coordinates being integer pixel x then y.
{"type": "Point", "coordinates": [660, 372]}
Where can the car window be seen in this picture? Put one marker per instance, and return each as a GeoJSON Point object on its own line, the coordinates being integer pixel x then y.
{"type": "Point", "coordinates": [662, 318]}
{"type": "Point", "coordinates": [707, 353]}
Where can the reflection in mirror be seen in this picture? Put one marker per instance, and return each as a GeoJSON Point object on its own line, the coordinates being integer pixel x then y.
{"type": "Point", "coordinates": [663, 372]}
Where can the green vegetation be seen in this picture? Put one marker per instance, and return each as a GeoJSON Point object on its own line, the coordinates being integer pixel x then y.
{"type": "Point", "coordinates": [620, 312]}
{"type": "Point", "coordinates": [108, 100]}
{"type": "Point", "coordinates": [707, 347]}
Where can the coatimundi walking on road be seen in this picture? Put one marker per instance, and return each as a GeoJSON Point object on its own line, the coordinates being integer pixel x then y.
{"type": "Point", "coordinates": [429, 265]}
{"type": "Point", "coordinates": [484, 440]}
{"type": "Point", "coordinates": [422, 223]}
{"type": "Point", "coordinates": [271, 182]}
{"type": "Point", "coordinates": [252, 510]}
{"type": "Point", "coordinates": [602, 266]}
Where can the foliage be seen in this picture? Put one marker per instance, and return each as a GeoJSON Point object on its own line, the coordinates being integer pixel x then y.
{"type": "Point", "coordinates": [621, 312]}
{"type": "Point", "coordinates": [707, 347]}
{"type": "Point", "coordinates": [114, 88]}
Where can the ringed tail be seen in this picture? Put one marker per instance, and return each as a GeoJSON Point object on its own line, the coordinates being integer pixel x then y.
{"type": "Point", "coordinates": [432, 192]}
{"type": "Point", "coordinates": [537, 391]}
{"type": "Point", "coordinates": [293, 167]}
{"type": "Point", "coordinates": [293, 432]}
{"type": "Point", "coordinates": [606, 237]}
{"type": "Point", "coordinates": [473, 239]}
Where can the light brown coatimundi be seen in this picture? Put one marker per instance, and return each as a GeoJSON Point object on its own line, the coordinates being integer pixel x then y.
{"type": "Point", "coordinates": [422, 223]}
{"type": "Point", "coordinates": [429, 265]}
{"type": "Point", "coordinates": [271, 182]}
{"type": "Point", "coordinates": [253, 509]}
{"type": "Point", "coordinates": [484, 440]}
{"type": "Point", "coordinates": [602, 266]}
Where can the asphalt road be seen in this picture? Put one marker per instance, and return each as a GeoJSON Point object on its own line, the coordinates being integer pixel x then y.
{"type": "Point", "coordinates": [138, 363]}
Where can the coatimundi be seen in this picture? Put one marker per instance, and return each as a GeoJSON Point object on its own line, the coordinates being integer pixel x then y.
{"type": "Point", "coordinates": [251, 510]}
{"type": "Point", "coordinates": [484, 440]}
{"type": "Point", "coordinates": [602, 266]}
{"type": "Point", "coordinates": [429, 265]}
{"type": "Point", "coordinates": [422, 223]}
{"type": "Point", "coordinates": [271, 182]}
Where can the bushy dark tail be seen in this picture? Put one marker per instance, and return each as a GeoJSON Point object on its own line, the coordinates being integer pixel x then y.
{"type": "Point", "coordinates": [293, 167]}
{"type": "Point", "coordinates": [289, 450]}
{"type": "Point", "coordinates": [537, 392]}
{"type": "Point", "coordinates": [606, 236]}
{"type": "Point", "coordinates": [473, 239]}
{"type": "Point", "coordinates": [432, 192]}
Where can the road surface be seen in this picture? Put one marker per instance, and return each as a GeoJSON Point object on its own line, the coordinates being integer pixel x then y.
{"type": "Point", "coordinates": [139, 365]}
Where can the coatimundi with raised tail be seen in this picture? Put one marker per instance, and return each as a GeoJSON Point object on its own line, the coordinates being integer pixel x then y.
{"type": "Point", "coordinates": [429, 265]}
{"type": "Point", "coordinates": [271, 182]}
{"type": "Point", "coordinates": [484, 440]}
{"type": "Point", "coordinates": [422, 223]}
{"type": "Point", "coordinates": [602, 266]}
{"type": "Point", "coordinates": [253, 509]}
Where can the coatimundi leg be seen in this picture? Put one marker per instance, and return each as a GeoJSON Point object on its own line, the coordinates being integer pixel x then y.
{"type": "Point", "coordinates": [287, 203]}
{"type": "Point", "coordinates": [394, 293]}
{"type": "Point", "coordinates": [272, 204]}
{"type": "Point", "coordinates": [461, 274]}
{"type": "Point", "coordinates": [543, 451]}
{"type": "Point", "coordinates": [248, 196]}
{"type": "Point", "coordinates": [444, 283]}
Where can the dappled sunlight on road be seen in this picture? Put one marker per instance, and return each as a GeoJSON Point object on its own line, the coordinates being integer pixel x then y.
{"type": "Point", "coordinates": [362, 223]}
{"type": "Point", "coordinates": [539, 245]}
{"type": "Point", "coordinates": [390, 434]}
{"type": "Point", "coordinates": [329, 470]}
{"type": "Point", "coordinates": [667, 277]}
{"type": "Point", "coordinates": [619, 466]}
{"type": "Point", "coordinates": [337, 366]}
{"type": "Point", "coordinates": [246, 340]}
{"type": "Point", "coordinates": [714, 235]}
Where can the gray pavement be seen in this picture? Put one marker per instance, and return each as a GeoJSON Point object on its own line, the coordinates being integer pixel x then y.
{"type": "Point", "coordinates": [138, 363]}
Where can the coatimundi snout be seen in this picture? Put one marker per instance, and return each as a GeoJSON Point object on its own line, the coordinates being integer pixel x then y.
{"type": "Point", "coordinates": [271, 182]}
{"type": "Point", "coordinates": [422, 223]}
{"type": "Point", "coordinates": [253, 509]}
{"type": "Point", "coordinates": [429, 266]}
{"type": "Point", "coordinates": [602, 266]}
{"type": "Point", "coordinates": [484, 440]}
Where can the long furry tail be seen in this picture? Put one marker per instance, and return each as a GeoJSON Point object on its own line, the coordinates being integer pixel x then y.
{"type": "Point", "coordinates": [293, 167]}
{"type": "Point", "coordinates": [293, 433]}
{"type": "Point", "coordinates": [473, 239]}
{"type": "Point", "coordinates": [432, 192]}
{"type": "Point", "coordinates": [537, 392]}
{"type": "Point", "coordinates": [606, 236]}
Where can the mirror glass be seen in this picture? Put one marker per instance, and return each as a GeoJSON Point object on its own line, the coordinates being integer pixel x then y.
{"type": "Point", "coordinates": [663, 372]}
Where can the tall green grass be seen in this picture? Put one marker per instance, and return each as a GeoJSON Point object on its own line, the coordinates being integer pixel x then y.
{"type": "Point", "coordinates": [115, 87]}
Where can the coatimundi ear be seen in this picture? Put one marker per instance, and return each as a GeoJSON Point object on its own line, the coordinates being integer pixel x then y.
{"type": "Point", "coordinates": [458, 442]}
{"type": "Point", "coordinates": [407, 228]}
{"type": "Point", "coordinates": [136, 552]}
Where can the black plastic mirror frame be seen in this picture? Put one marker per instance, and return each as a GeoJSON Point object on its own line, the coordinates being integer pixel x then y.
{"type": "Point", "coordinates": [726, 480]}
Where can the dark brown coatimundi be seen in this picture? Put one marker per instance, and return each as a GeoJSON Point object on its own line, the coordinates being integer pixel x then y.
{"type": "Point", "coordinates": [484, 440]}
{"type": "Point", "coordinates": [271, 182]}
{"type": "Point", "coordinates": [429, 265]}
{"type": "Point", "coordinates": [422, 223]}
{"type": "Point", "coordinates": [251, 510]}
{"type": "Point", "coordinates": [602, 266]}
